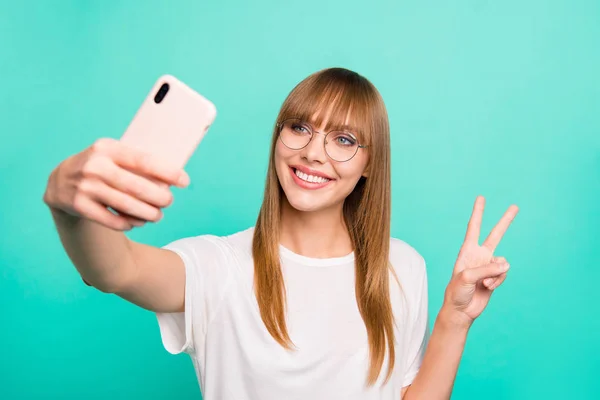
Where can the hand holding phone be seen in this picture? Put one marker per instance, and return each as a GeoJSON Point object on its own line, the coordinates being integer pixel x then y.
{"type": "Point", "coordinates": [132, 176]}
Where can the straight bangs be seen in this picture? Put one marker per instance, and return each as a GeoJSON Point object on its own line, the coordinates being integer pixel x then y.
{"type": "Point", "coordinates": [343, 100]}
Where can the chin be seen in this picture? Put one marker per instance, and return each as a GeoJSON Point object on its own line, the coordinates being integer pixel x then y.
{"type": "Point", "coordinates": [305, 205]}
{"type": "Point", "coordinates": [309, 202]}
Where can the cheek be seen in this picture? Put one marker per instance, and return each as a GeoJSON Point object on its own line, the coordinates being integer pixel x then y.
{"type": "Point", "coordinates": [352, 170]}
{"type": "Point", "coordinates": [349, 174]}
{"type": "Point", "coordinates": [280, 156]}
{"type": "Point", "coordinates": [283, 153]}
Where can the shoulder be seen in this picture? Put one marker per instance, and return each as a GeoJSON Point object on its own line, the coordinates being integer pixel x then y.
{"type": "Point", "coordinates": [208, 247]}
{"type": "Point", "coordinates": [405, 258]}
{"type": "Point", "coordinates": [241, 241]}
{"type": "Point", "coordinates": [409, 266]}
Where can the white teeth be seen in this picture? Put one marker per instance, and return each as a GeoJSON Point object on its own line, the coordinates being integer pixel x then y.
{"type": "Point", "coordinates": [311, 178]}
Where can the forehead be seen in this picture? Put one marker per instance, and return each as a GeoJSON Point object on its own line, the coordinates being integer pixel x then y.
{"type": "Point", "coordinates": [329, 118]}
{"type": "Point", "coordinates": [323, 120]}
{"type": "Point", "coordinates": [330, 106]}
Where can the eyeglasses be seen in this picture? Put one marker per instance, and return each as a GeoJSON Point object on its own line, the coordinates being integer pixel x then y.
{"type": "Point", "coordinates": [340, 146]}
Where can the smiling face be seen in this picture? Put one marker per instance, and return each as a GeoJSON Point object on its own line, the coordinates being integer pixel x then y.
{"type": "Point", "coordinates": [309, 177]}
{"type": "Point", "coordinates": [313, 176]}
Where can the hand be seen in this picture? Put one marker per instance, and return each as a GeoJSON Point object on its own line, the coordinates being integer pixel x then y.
{"type": "Point", "coordinates": [476, 271]}
{"type": "Point", "coordinates": [111, 176]}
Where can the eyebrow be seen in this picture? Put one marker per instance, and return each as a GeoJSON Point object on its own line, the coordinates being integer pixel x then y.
{"type": "Point", "coordinates": [344, 128]}
{"type": "Point", "coordinates": [347, 128]}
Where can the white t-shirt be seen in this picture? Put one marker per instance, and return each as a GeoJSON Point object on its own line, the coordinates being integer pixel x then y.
{"type": "Point", "coordinates": [236, 358]}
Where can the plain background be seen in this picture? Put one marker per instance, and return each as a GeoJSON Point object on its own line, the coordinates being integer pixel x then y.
{"type": "Point", "coordinates": [499, 98]}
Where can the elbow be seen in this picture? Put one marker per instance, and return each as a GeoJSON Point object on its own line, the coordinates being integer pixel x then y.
{"type": "Point", "coordinates": [102, 286]}
{"type": "Point", "coordinates": [115, 284]}
{"type": "Point", "coordinates": [113, 280]}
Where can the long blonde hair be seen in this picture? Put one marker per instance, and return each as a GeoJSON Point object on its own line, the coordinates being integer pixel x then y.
{"type": "Point", "coordinates": [366, 210]}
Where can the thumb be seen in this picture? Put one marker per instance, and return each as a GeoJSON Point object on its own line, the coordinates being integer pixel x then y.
{"type": "Point", "coordinates": [474, 275]}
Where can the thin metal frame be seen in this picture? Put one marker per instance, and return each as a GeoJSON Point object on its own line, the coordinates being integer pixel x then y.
{"type": "Point", "coordinates": [313, 131]}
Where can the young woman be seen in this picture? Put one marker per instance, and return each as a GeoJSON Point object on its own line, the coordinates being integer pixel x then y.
{"type": "Point", "coordinates": [316, 301]}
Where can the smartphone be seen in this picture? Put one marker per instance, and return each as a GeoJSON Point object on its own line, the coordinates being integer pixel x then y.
{"type": "Point", "coordinates": [171, 122]}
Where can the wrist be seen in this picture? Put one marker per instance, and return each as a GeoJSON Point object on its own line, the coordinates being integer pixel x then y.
{"type": "Point", "coordinates": [452, 319]}
{"type": "Point", "coordinates": [51, 195]}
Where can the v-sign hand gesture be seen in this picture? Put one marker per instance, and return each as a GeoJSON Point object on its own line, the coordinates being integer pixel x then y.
{"type": "Point", "coordinates": [476, 271]}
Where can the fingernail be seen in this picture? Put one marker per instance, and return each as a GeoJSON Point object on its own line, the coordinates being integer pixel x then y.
{"type": "Point", "coordinates": [184, 179]}
{"type": "Point", "coordinates": [504, 266]}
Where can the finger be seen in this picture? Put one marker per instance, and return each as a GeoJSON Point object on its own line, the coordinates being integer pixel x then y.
{"type": "Point", "coordinates": [499, 281]}
{"type": "Point", "coordinates": [143, 163]}
{"type": "Point", "coordinates": [474, 226]}
{"type": "Point", "coordinates": [132, 220]}
{"type": "Point", "coordinates": [474, 275]}
{"type": "Point", "coordinates": [493, 239]}
{"type": "Point", "coordinates": [139, 187]}
{"type": "Point", "coordinates": [122, 202]}
{"type": "Point", "coordinates": [89, 209]}
{"type": "Point", "coordinates": [489, 282]}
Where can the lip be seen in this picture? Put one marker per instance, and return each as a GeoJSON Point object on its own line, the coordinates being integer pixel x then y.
{"type": "Point", "coordinates": [308, 185]}
{"type": "Point", "coordinates": [309, 171]}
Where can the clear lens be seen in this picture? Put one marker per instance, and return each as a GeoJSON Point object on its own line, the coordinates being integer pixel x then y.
{"type": "Point", "coordinates": [340, 146]}
{"type": "Point", "coordinates": [295, 134]}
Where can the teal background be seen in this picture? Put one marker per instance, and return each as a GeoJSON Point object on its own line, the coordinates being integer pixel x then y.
{"type": "Point", "coordinates": [495, 98]}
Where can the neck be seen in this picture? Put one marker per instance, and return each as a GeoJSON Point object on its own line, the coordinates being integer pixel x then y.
{"type": "Point", "coordinates": [319, 234]}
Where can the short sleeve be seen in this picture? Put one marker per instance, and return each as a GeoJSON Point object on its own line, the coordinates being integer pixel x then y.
{"type": "Point", "coordinates": [419, 331]}
{"type": "Point", "coordinates": [206, 281]}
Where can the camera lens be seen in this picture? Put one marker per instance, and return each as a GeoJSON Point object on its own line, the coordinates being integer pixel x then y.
{"type": "Point", "coordinates": [162, 92]}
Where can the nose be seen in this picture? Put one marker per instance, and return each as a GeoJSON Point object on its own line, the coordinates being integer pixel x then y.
{"type": "Point", "coordinates": [315, 149]}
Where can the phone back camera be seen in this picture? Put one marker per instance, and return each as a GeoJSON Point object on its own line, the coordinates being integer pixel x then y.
{"type": "Point", "coordinates": [162, 92]}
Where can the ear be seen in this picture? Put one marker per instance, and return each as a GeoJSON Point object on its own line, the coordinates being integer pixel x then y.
{"type": "Point", "coordinates": [367, 169]}
{"type": "Point", "coordinates": [365, 173]}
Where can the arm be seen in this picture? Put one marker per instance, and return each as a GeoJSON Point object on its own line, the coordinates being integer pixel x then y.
{"type": "Point", "coordinates": [436, 376]}
{"type": "Point", "coordinates": [147, 276]}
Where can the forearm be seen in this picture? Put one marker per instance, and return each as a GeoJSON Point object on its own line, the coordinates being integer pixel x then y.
{"type": "Point", "coordinates": [436, 376]}
{"type": "Point", "coordinates": [102, 256]}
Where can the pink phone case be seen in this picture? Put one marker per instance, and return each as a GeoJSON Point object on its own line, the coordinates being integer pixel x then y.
{"type": "Point", "coordinates": [170, 123]}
